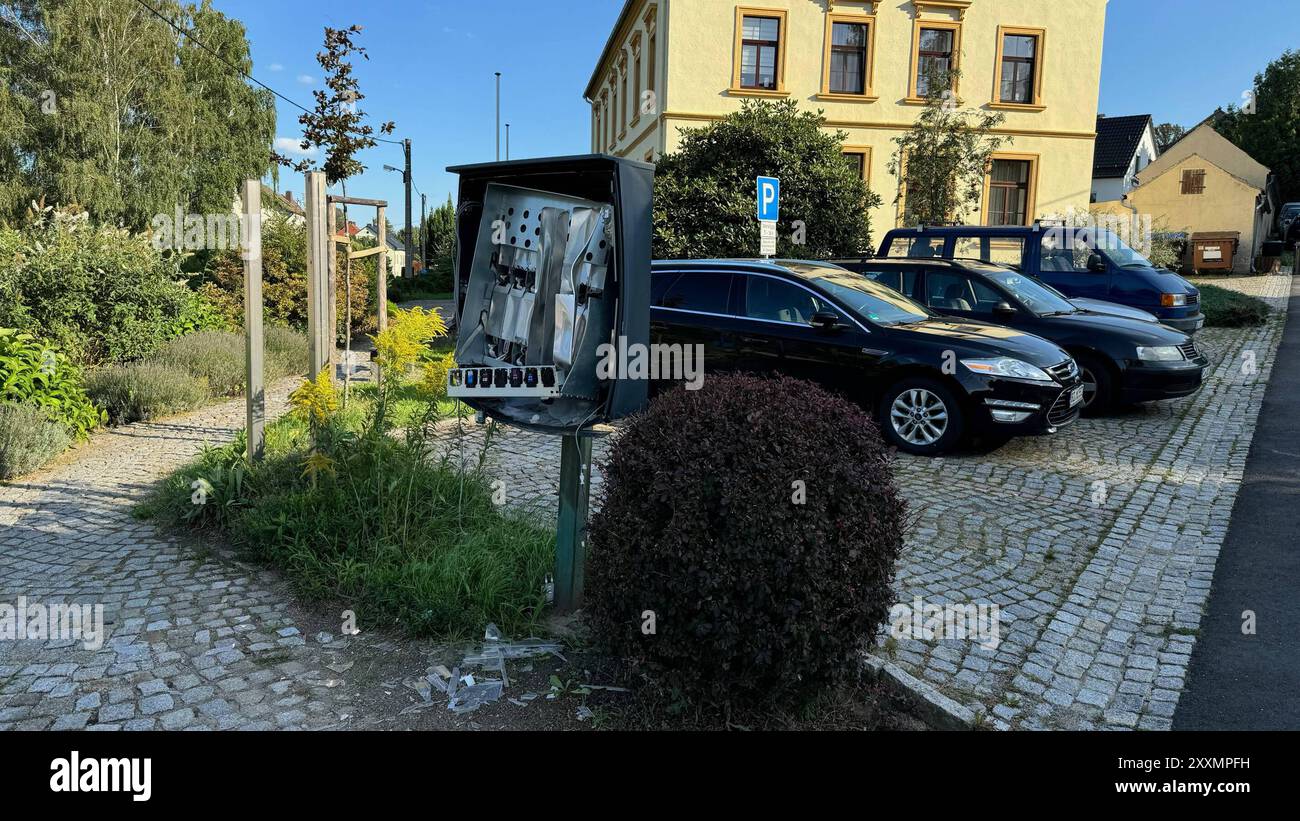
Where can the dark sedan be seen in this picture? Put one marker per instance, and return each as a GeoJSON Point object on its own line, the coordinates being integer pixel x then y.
{"type": "Point", "coordinates": [1123, 360]}
{"type": "Point", "coordinates": [929, 380]}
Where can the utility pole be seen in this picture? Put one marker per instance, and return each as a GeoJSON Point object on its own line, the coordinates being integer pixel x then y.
{"type": "Point", "coordinates": [424, 239]}
{"type": "Point", "coordinates": [409, 267]}
{"type": "Point", "coordinates": [498, 116]}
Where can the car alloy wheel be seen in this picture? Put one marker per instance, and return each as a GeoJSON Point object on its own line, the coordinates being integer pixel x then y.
{"type": "Point", "coordinates": [1089, 385]}
{"type": "Point", "coordinates": [919, 417]}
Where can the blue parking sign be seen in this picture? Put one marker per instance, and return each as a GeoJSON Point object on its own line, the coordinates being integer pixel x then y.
{"type": "Point", "coordinates": [769, 199]}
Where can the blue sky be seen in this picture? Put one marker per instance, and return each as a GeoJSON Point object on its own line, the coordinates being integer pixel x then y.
{"type": "Point", "coordinates": [431, 70]}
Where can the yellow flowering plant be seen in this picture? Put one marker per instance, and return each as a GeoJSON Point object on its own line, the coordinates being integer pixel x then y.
{"type": "Point", "coordinates": [315, 399]}
{"type": "Point", "coordinates": [405, 341]}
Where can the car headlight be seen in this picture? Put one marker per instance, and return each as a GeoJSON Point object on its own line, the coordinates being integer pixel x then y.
{"type": "Point", "coordinates": [1173, 300]}
{"type": "Point", "coordinates": [1008, 368]}
{"type": "Point", "coordinates": [1161, 353]}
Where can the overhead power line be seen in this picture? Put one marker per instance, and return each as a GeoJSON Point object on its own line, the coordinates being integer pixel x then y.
{"type": "Point", "coordinates": [190, 36]}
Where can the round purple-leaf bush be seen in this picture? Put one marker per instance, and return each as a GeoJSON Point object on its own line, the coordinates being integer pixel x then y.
{"type": "Point", "coordinates": [745, 543]}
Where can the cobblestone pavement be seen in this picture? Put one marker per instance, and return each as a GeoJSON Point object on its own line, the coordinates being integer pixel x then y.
{"type": "Point", "coordinates": [1098, 544]}
{"type": "Point", "coordinates": [192, 643]}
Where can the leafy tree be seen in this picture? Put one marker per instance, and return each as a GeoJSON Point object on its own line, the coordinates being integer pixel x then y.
{"type": "Point", "coordinates": [942, 159]}
{"type": "Point", "coordinates": [106, 106]}
{"type": "Point", "coordinates": [704, 192]}
{"type": "Point", "coordinates": [1271, 133]}
{"type": "Point", "coordinates": [1167, 134]}
{"type": "Point", "coordinates": [337, 124]}
{"type": "Point", "coordinates": [440, 233]}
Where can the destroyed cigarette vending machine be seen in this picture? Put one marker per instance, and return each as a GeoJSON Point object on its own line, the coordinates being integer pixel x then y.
{"type": "Point", "coordinates": [552, 262]}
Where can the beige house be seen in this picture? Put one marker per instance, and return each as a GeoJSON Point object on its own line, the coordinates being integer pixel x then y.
{"type": "Point", "coordinates": [1203, 184]}
{"type": "Point", "coordinates": [671, 65]}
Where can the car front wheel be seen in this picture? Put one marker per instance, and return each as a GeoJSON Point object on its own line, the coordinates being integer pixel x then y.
{"type": "Point", "coordinates": [1098, 386]}
{"type": "Point", "coordinates": [921, 416]}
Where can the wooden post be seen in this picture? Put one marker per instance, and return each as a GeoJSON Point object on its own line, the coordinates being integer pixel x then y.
{"type": "Point", "coordinates": [332, 261]}
{"type": "Point", "coordinates": [254, 352]}
{"type": "Point", "coordinates": [381, 270]}
{"type": "Point", "coordinates": [320, 340]}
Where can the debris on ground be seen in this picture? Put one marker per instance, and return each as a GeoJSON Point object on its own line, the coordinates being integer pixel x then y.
{"type": "Point", "coordinates": [466, 693]}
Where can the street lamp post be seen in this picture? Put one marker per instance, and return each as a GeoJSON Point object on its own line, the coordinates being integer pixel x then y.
{"type": "Point", "coordinates": [498, 116]}
{"type": "Point", "coordinates": [507, 141]}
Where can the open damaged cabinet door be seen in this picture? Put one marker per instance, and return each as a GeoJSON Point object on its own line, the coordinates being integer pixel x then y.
{"type": "Point", "coordinates": [552, 262]}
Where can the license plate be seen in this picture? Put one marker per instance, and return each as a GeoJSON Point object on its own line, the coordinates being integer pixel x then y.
{"type": "Point", "coordinates": [1076, 396]}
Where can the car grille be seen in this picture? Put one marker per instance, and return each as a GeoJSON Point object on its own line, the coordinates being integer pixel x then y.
{"type": "Point", "coordinates": [1193, 299]}
{"type": "Point", "coordinates": [1061, 413]}
{"type": "Point", "coordinates": [1189, 350]}
{"type": "Point", "coordinates": [1065, 371]}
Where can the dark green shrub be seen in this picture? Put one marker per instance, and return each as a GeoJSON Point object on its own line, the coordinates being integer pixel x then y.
{"type": "Point", "coordinates": [28, 439]}
{"type": "Point", "coordinates": [435, 284]}
{"type": "Point", "coordinates": [284, 281]}
{"type": "Point", "coordinates": [757, 598]}
{"type": "Point", "coordinates": [144, 390]}
{"type": "Point", "coordinates": [34, 373]}
{"type": "Point", "coordinates": [1224, 308]}
{"type": "Point", "coordinates": [98, 293]}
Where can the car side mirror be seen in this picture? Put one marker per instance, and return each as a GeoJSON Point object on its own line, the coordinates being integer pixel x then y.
{"type": "Point", "coordinates": [1096, 264]}
{"type": "Point", "coordinates": [826, 322]}
{"type": "Point", "coordinates": [1004, 308]}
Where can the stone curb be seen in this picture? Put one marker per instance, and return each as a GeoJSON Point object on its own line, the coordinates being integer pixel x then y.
{"type": "Point", "coordinates": [936, 709]}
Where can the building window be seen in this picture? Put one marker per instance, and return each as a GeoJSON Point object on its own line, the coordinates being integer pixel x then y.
{"type": "Point", "coordinates": [848, 58]}
{"type": "Point", "coordinates": [760, 51]}
{"type": "Point", "coordinates": [613, 113]}
{"type": "Point", "coordinates": [622, 115]}
{"type": "Point", "coordinates": [637, 84]}
{"type": "Point", "coordinates": [1018, 75]}
{"type": "Point", "coordinates": [1008, 192]}
{"type": "Point", "coordinates": [1019, 52]}
{"type": "Point", "coordinates": [1194, 181]}
{"type": "Point", "coordinates": [935, 58]}
{"type": "Point", "coordinates": [859, 159]}
{"type": "Point", "coordinates": [653, 63]}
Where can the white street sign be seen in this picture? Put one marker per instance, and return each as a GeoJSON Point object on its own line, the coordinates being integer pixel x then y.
{"type": "Point", "coordinates": [767, 238]}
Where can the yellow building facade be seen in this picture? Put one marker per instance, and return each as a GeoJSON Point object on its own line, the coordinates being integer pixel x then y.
{"type": "Point", "coordinates": [671, 65]}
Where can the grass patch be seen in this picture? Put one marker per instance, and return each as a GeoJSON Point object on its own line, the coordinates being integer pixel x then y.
{"type": "Point", "coordinates": [1225, 308]}
{"type": "Point", "coordinates": [380, 521]}
{"type": "Point", "coordinates": [28, 439]}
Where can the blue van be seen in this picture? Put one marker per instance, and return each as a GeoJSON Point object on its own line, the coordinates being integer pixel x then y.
{"type": "Point", "coordinates": [1082, 263]}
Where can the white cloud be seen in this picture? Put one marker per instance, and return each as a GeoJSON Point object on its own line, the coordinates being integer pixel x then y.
{"type": "Point", "coordinates": [275, 67]}
{"type": "Point", "coordinates": [306, 79]}
{"type": "Point", "coordinates": [290, 145]}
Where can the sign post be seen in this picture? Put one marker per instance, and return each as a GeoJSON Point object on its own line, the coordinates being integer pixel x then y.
{"type": "Point", "coordinates": [769, 211]}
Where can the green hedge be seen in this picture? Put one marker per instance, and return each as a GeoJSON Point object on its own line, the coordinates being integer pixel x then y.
{"type": "Point", "coordinates": [98, 293]}
{"type": "Point", "coordinates": [1224, 308]}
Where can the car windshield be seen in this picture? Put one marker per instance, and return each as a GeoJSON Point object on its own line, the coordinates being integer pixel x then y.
{"type": "Point", "coordinates": [1109, 245]}
{"type": "Point", "coordinates": [1031, 293]}
{"type": "Point", "coordinates": [868, 300]}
